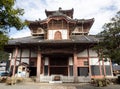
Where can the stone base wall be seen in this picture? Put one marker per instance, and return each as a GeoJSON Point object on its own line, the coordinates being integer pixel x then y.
{"type": "Point", "coordinates": [45, 78]}
{"type": "Point", "coordinates": [84, 79]}
{"type": "Point", "coordinates": [64, 79]}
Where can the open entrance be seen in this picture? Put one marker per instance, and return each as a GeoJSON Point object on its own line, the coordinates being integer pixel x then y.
{"type": "Point", "coordinates": [32, 71]}
{"type": "Point", "coordinates": [33, 67]}
{"type": "Point", "coordinates": [59, 64]}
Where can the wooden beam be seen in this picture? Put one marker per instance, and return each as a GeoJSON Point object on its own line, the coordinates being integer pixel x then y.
{"type": "Point", "coordinates": [57, 51]}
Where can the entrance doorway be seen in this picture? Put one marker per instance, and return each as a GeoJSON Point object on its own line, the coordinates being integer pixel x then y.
{"type": "Point", "coordinates": [33, 66]}
{"type": "Point", "coordinates": [58, 64]}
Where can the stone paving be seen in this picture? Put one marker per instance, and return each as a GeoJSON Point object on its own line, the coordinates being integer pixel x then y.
{"type": "Point", "coordinates": [54, 86]}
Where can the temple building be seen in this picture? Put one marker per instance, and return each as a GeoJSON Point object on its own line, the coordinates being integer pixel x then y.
{"type": "Point", "coordinates": [59, 46]}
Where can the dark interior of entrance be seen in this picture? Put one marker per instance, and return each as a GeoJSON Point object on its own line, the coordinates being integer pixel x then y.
{"type": "Point", "coordinates": [59, 64]}
{"type": "Point", "coordinates": [32, 71]}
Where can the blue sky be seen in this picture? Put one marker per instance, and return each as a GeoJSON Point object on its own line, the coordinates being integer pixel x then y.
{"type": "Point", "coordinates": [101, 10]}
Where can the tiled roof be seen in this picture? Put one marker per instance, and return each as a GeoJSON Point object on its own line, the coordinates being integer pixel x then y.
{"type": "Point", "coordinates": [40, 40]}
{"type": "Point", "coordinates": [67, 12]}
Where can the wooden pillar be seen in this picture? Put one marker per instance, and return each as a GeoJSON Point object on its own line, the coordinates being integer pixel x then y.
{"type": "Point", "coordinates": [104, 68]}
{"type": "Point", "coordinates": [89, 62]}
{"type": "Point", "coordinates": [14, 66]}
{"type": "Point", "coordinates": [47, 30]}
{"type": "Point", "coordinates": [29, 55]}
{"type": "Point", "coordinates": [20, 55]}
{"type": "Point", "coordinates": [68, 30]}
{"type": "Point", "coordinates": [111, 67]}
{"type": "Point", "coordinates": [68, 67]}
{"type": "Point", "coordinates": [75, 67]}
{"type": "Point", "coordinates": [52, 24]}
{"type": "Point", "coordinates": [10, 58]}
{"type": "Point", "coordinates": [62, 24]}
{"type": "Point", "coordinates": [100, 67]}
{"type": "Point", "coordinates": [100, 64]}
{"type": "Point", "coordinates": [82, 27]}
{"type": "Point", "coordinates": [38, 66]}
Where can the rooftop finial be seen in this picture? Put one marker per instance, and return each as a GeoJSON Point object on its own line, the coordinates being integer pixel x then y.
{"type": "Point", "coordinates": [60, 8]}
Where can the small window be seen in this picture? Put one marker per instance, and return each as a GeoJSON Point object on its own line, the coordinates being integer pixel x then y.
{"type": "Point", "coordinates": [86, 63]}
{"type": "Point", "coordinates": [83, 71]}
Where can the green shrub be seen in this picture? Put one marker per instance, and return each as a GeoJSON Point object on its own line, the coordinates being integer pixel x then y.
{"type": "Point", "coordinates": [100, 82]}
{"type": "Point", "coordinates": [118, 79]}
{"type": "Point", "coordinates": [3, 79]}
{"type": "Point", "coordinates": [11, 81]}
{"type": "Point", "coordinates": [19, 80]}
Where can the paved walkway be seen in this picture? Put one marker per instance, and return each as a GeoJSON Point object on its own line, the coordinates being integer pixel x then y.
{"type": "Point", "coordinates": [54, 86]}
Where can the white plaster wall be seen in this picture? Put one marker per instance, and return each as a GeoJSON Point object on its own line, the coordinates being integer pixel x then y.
{"type": "Point", "coordinates": [17, 63]}
{"type": "Point", "coordinates": [51, 34]}
{"type": "Point", "coordinates": [12, 61]}
{"type": "Point", "coordinates": [15, 51]}
{"type": "Point", "coordinates": [46, 61]}
{"type": "Point", "coordinates": [25, 60]}
{"type": "Point", "coordinates": [10, 56]}
{"type": "Point", "coordinates": [83, 53]}
{"type": "Point", "coordinates": [101, 62]}
{"type": "Point", "coordinates": [33, 53]}
{"type": "Point", "coordinates": [70, 61]}
{"type": "Point", "coordinates": [25, 52]}
{"type": "Point", "coordinates": [107, 62]}
{"type": "Point", "coordinates": [94, 61]}
{"type": "Point", "coordinates": [92, 53]}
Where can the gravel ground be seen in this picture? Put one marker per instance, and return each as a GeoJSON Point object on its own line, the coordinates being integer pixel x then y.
{"type": "Point", "coordinates": [92, 87]}
{"type": "Point", "coordinates": [36, 86]}
{"type": "Point", "coordinates": [54, 86]}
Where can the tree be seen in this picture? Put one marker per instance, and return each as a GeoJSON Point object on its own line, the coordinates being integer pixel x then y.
{"type": "Point", "coordinates": [3, 40]}
{"type": "Point", "coordinates": [4, 56]}
{"type": "Point", "coordinates": [9, 17]}
{"type": "Point", "coordinates": [109, 46]}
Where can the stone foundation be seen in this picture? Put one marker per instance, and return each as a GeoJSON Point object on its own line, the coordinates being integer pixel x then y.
{"type": "Point", "coordinates": [64, 79]}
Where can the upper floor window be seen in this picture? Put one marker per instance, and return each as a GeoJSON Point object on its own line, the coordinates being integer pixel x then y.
{"type": "Point", "coordinates": [57, 35]}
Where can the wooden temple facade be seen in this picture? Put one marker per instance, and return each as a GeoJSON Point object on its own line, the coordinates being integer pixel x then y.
{"type": "Point", "coordinates": [59, 46]}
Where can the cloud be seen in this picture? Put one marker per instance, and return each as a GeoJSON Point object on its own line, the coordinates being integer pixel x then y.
{"type": "Point", "coordinates": [101, 10]}
{"type": "Point", "coordinates": [18, 34]}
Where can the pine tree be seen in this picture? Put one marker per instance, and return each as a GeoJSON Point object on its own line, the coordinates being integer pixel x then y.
{"type": "Point", "coordinates": [109, 46]}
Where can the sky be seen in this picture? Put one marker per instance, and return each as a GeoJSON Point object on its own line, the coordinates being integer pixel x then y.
{"type": "Point", "coordinates": [101, 10]}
